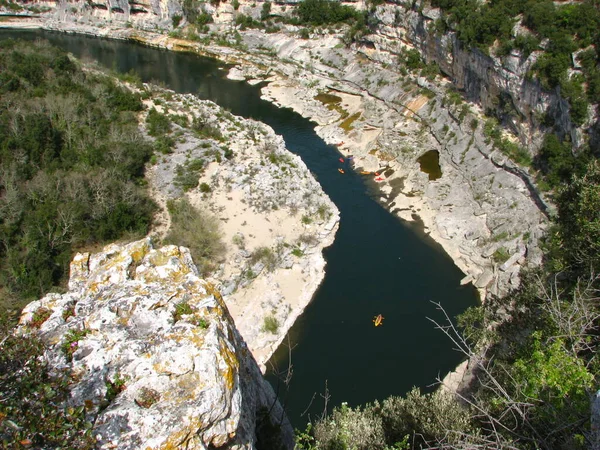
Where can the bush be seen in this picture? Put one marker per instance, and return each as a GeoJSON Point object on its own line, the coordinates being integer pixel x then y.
{"type": "Point", "coordinates": [158, 124]}
{"type": "Point", "coordinates": [57, 172]}
{"type": "Point", "coordinates": [266, 256]}
{"type": "Point", "coordinates": [322, 12]}
{"type": "Point", "coordinates": [266, 11]}
{"type": "Point", "coordinates": [198, 231]}
{"type": "Point", "coordinates": [187, 175]}
{"type": "Point", "coordinates": [270, 324]}
{"type": "Point", "coordinates": [35, 409]}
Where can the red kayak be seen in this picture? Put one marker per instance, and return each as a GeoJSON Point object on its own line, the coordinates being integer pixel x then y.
{"type": "Point", "coordinates": [341, 159]}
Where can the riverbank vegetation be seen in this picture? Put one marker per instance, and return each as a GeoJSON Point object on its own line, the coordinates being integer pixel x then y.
{"type": "Point", "coordinates": [533, 357]}
{"type": "Point", "coordinates": [71, 166]}
{"type": "Point", "coordinates": [533, 354]}
{"type": "Point", "coordinates": [558, 31]}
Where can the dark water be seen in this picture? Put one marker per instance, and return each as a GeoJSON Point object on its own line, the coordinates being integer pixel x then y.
{"type": "Point", "coordinates": [377, 265]}
{"type": "Point", "coordinates": [430, 164]}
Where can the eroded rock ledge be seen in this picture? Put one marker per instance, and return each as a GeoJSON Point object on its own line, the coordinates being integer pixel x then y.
{"type": "Point", "coordinates": [185, 376]}
{"type": "Point", "coordinates": [481, 210]}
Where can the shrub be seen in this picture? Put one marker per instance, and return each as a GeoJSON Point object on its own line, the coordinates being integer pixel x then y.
{"type": "Point", "coordinates": [266, 11]}
{"type": "Point", "coordinates": [322, 12]}
{"type": "Point", "coordinates": [266, 256]}
{"type": "Point", "coordinates": [33, 401]}
{"type": "Point", "coordinates": [158, 123]}
{"type": "Point", "coordinates": [187, 175]}
{"type": "Point", "coordinates": [202, 128]}
{"type": "Point", "coordinates": [39, 317]}
{"type": "Point", "coordinates": [182, 309]}
{"type": "Point", "coordinates": [198, 231]}
{"type": "Point", "coordinates": [270, 324]}
{"type": "Point", "coordinates": [71, 342]}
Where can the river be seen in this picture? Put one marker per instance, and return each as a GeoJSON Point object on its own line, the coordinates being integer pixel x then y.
{"type": "Point", "coordinates": [377, 264]}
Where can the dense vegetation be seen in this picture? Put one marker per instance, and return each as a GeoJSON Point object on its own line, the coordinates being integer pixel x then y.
{"type": "Point", "coordinates": [71, 165]}
{"type": "Point", "coordinates": [198, 231]}
{"type": "Point", "coordinates": [34, 412]}
{"type": "Point", "coordinates": [558, 29]}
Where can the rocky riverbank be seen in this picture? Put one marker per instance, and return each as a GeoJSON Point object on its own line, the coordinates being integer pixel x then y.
{"type": "Point", "coordinates": [469, 197]}
{"type": "Point", "coordinates": [274, 217]}
{"type": "Point", "coordinates": [481, 209]}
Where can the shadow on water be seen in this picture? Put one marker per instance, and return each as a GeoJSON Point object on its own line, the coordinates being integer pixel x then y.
{"type": "Point", "coordinates": [377, 265]}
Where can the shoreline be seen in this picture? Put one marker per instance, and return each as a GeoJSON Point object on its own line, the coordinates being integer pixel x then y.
{"type": "Point", "coordinates": [461, 226]}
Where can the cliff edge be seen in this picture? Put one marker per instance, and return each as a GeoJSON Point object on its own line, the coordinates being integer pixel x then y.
{"type": "Point", "coordinates": [153, 353]}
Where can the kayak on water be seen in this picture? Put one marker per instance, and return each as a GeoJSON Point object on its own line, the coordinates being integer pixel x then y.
{"type": "Point", "coordinates": [378, 320]}
{"type": "Point", "coordinates": [341, 170]}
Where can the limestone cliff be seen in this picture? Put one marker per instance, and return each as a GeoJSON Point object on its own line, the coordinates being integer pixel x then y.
{"type": "Point", "coordinates": [483, 210]}
{"type": "Point", "coordinates": [496, 84]}
{"type": "Point", "coordinates": [140, 323]}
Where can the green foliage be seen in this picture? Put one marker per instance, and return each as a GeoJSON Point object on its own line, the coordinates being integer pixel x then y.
{"type": "Point", "coordinates": [191, 10]}
{"type": "Point", "coordinates": [418, 419]}
{"type": "Point", "coordinates": [115, 387]}
{"type": "Point", "coordinates": [176, 20]}
{"type": "Point", "coordinates": [579, 222]}
{"type": "Point", "coordinates": [556, 161]}
{"type": "Point", "coordinates": [514, 151]}
{"type": "Point", "coordinates": [187, 175]}
{"type": "Point", "coordinates": [265, 256]}
{"type": "Point", "coordinates": [182, 309]}
{"type": "Point", "coordinates": [568, 27]}
{"type": "Point", "coordinates": [270, 324]}
{"type": "Point", "coordinates": [501, 255]}
{"type": "Point", "coordinates": [198, 231]}
{"type": "Point", "coordinates": [205, 129]}
{"type": "Point", "coordinates": [323, 12]}
{"type": "Point", "coordinates": [39, 317]}
{"type": "Point", "coordinates": [304, 33]}
{"type": "Point", "coordinates": [349, 428]}
{"type": "Point", "coordinates": [556, 378]}
{"type": "Point", "coordinates": [203, 18]}
{"type": "Point", "coordinates": [265, 11]}
{"type": "Point", "coordinates": [158, 124]}
{"type": "Point", "coordinates": [244, 21]}
{"type": "Point", "coordinates": [55, 171]}
{"type": "Point", "coordinates": [34, 411]}
{"type": "Point", "coordinates": [71, 342]}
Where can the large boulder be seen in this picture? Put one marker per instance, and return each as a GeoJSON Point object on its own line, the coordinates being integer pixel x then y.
{"type": "Point", "coordinates": [153, 352]}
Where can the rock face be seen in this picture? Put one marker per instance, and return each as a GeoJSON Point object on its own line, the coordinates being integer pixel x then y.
{"type": "Point", "coordinates": [274, 217]}
{"type": "Point", "coordinates": [496, 84]}
{"type": "Point", "coordinates": [154, 354]}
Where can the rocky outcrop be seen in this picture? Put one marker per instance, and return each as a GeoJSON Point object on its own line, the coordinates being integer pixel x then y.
{"type": "Point", "coordinates": [154, 355]}
{"type": "Point", "coordinates": [274, 217]}
{"type": "Point", "coordinates": [500, 85]}
{"type": "Point", "coordinates": [483, 210]}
